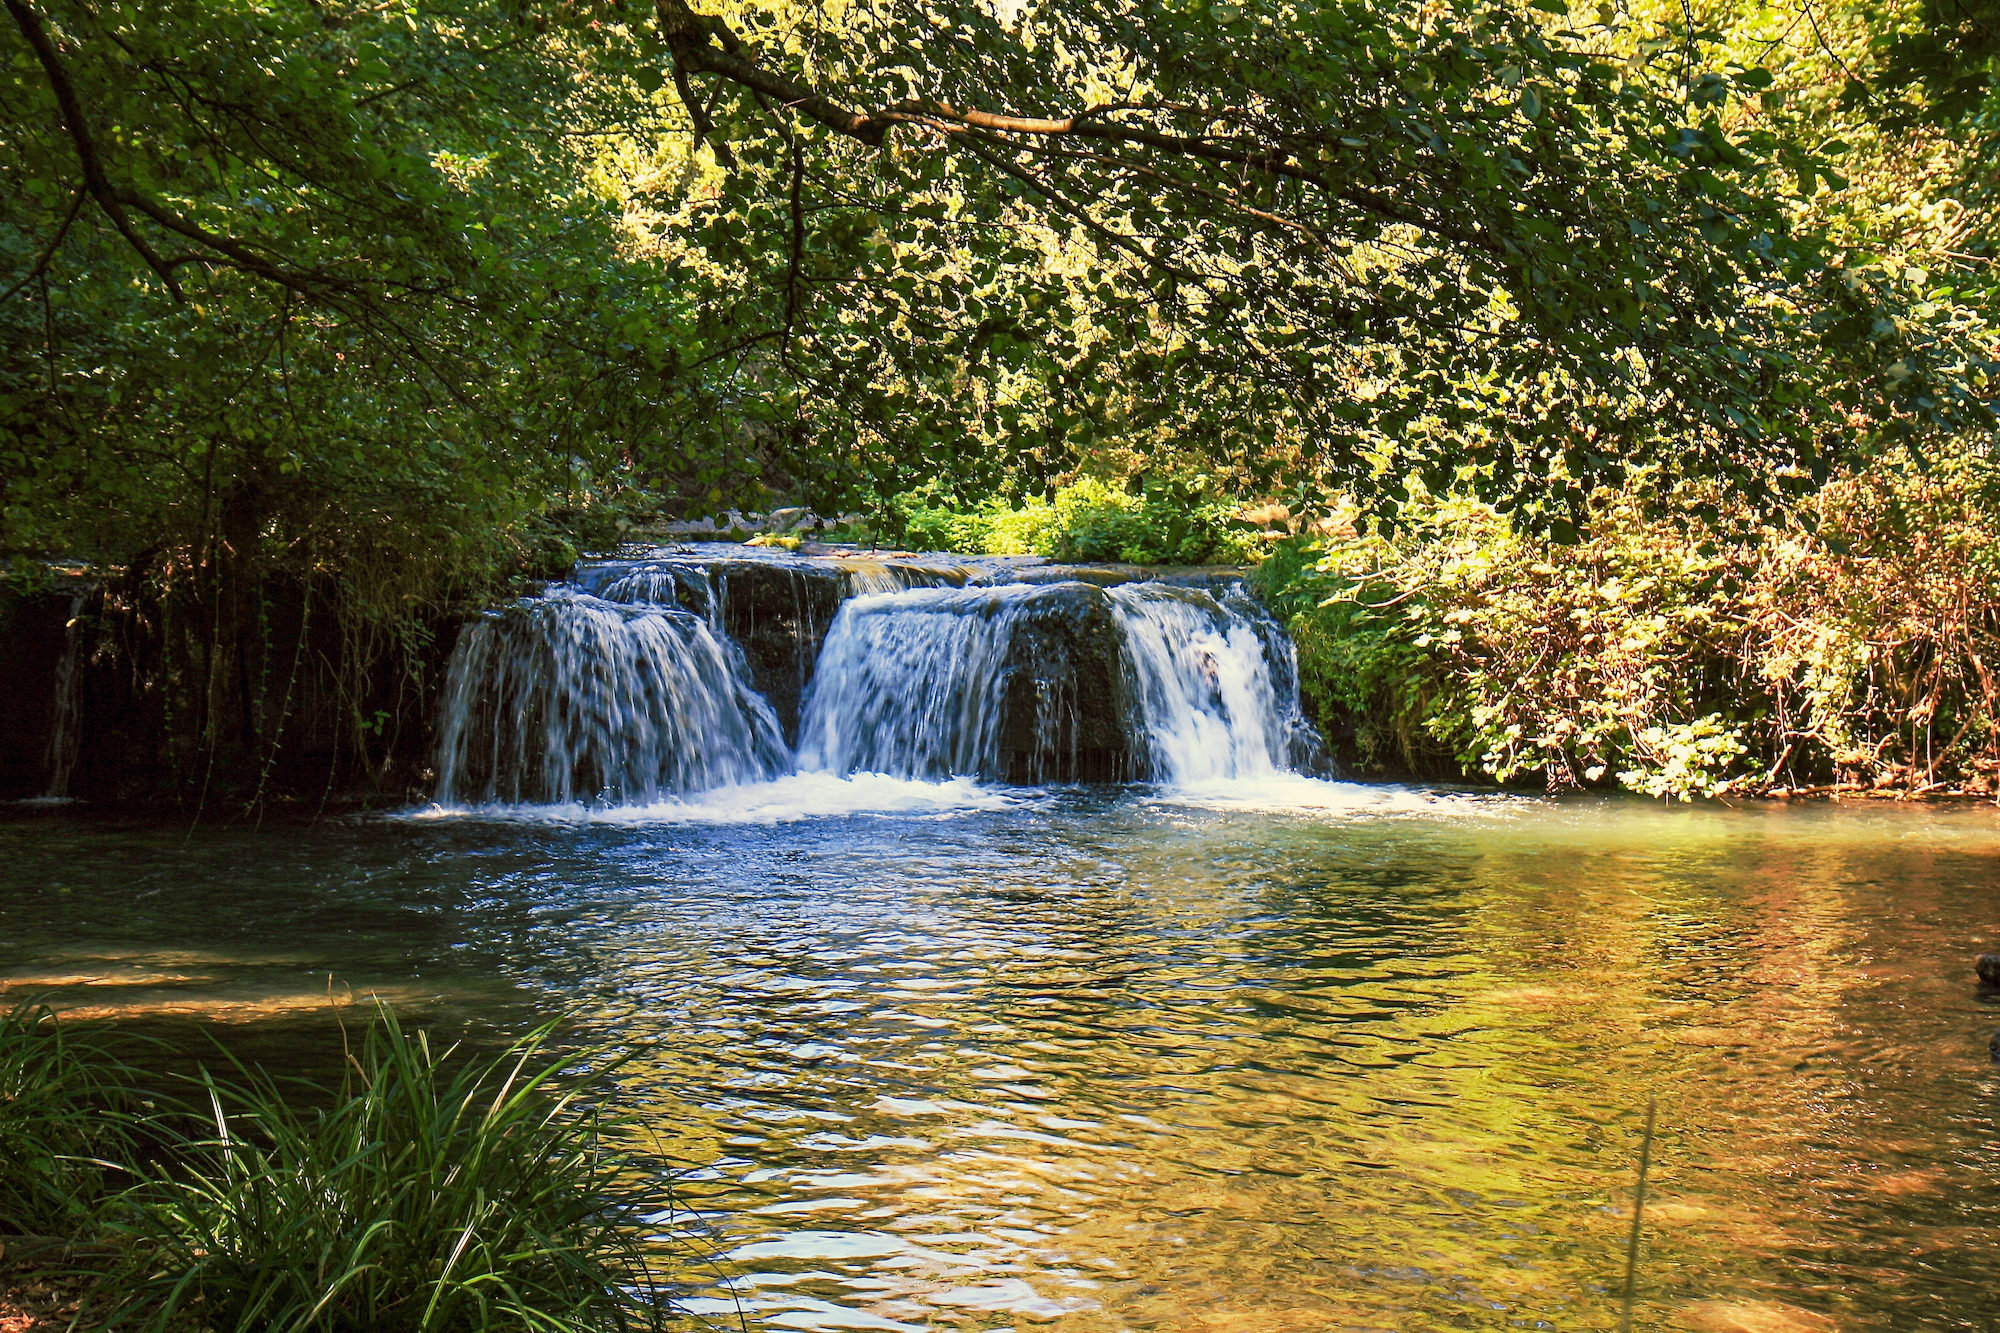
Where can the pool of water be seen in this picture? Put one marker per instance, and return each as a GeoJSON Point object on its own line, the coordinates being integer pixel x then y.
{"type": "Point", "coordinates": [1296, 1058]}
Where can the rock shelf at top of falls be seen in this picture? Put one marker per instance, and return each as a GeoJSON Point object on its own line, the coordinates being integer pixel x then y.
{"type": "Point", "coordinates": [676, 670]}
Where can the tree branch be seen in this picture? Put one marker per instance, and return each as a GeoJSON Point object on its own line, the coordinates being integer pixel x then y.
{"type": "Point", "coordinates": [115, 199]}
{"type": "Point", "coordinates": [95, 180]}
{"type": "Point", "coordinates": [703, 43]}
{"type": "Point", "coordinates": [55, 242]}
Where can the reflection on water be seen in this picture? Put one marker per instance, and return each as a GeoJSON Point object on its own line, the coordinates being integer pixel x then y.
{"type": "Point", "coordinates": [1123, 1061]}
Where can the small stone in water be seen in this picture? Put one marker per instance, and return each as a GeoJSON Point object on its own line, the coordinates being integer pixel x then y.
{"type": "Point", "coordinates": [1988, 968]}
{"type": "Point", "coordinates": [1993, 1048]}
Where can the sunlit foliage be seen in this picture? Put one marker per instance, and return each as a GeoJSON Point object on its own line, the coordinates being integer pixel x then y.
{"type": "Point", "coordinates": [380, 304]}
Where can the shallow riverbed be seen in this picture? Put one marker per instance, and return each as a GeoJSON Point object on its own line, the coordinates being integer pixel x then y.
{"type": "Point", "coordinates": [1296, 1057]}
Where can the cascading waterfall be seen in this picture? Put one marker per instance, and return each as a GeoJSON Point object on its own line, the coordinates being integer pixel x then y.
{"type": "Point", "coordinates": [636, 691]}
{"type": "Point", "coordinates": [1208, 699]}
{"type": "Point", "coordinates": [911, 683]}
{"type": "Point", "coordinates": [1056, 682]}
{"type": "Point", "coordinates": [687, 586]}
{"type": "Point", "coordinates": [66, 729]}
{"type": "Point", "coordinates": [569, 698]}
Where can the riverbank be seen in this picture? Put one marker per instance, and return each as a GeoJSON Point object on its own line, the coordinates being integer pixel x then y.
{"type": "Point", "coordinates": [1678, 646]}
{"type": "Point", "coordinates": [423, 1190]}
{"type": "Point", "coordinates": [40, 1294]}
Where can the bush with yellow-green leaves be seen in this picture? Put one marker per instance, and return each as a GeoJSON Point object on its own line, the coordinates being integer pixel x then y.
{"type": "Point", "coordinates": [1178, 521]}
{"type": "Point", "coordinates": [1677, 652]}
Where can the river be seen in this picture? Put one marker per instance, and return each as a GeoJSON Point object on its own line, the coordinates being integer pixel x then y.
{"type": "Point", "coordinates": [1272, 1056]}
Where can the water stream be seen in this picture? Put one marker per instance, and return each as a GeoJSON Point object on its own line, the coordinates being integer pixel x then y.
{"type": "Point", "coordinates": [1100, 1061]}
{"type": "Point", "coordinates": [913, 683]}
{"type": "Point", "coordinates": [630, 687]}
{"type": "Point", "coordinates": [1233, 1049]}
{"type": "Point", "coordinates": [568, 698]}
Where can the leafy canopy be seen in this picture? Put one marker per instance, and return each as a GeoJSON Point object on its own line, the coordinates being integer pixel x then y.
{"type": "Point", "coordinates": [1366, 243]}
{"type": "Point", "coordinates": [348, 281]}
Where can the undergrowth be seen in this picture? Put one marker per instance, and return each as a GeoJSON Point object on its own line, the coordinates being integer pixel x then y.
{"type": "Point", "coordinates": [66, 1121]}
{"type": "Point", "coordinates": [1678, 652]}
{"type": "Point", "coordinates": [1169, 521]}
{"type": "Point", "coordinates": [427, 1193]}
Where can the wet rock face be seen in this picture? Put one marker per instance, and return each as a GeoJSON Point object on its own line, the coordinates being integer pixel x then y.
{"type": "Point", "coordinates": [1066, 713]}
{"type": "Point", "coordinates": [778, 616]}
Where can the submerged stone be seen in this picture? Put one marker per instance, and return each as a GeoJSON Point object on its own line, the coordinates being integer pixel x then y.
{"type": "Point", "coordinates": [1988, 967]}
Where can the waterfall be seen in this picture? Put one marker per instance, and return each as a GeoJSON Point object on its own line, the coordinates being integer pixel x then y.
{"type": "Point", "coordinates": [912, 683]}
{"type": "Point", "coordinates": [66, 725]}
{"type": "Point", "coordinates": [570, 698]}
{"type": "Point", "coordinates": [1056, 682]}
{"type": "Point", "coordinates": [687, 586]}
{"type": "Point", "coordinates": [1208, 700]}
{"type": "Point", "coordinates": [647, 680]}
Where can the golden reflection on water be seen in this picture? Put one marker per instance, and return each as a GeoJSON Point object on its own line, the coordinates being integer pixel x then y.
{"type": "Point", "coordinates": [147, 986]}
{"type": "Point", "coordinates": [1098, 1064]}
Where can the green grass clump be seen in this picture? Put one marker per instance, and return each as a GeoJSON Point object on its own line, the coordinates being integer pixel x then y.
{"type": "Point", "coordinates": [430, 1195]}
{"type": "Point", "coordinates": [63, 1124]}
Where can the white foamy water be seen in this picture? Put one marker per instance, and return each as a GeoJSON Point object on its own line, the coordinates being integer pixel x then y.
{"type": "Point", "coordinates": [913, 682]}
{"type": "Point", "coordinates": [1206, 698]}
{"type": "Point", "coordinates": [782, 800]}
{"type": "Point", "coordinates": [1296, 793]}
{"type": "Point", "coordinates": [567, 699]}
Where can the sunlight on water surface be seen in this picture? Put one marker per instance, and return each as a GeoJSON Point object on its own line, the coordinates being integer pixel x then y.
{"type": "Point", "coordinates": [1280, 1056]}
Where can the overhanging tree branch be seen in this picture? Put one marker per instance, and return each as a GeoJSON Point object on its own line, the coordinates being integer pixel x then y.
{"type": "Point", "coordinates": [119, 201]}
{"type": "Point", "coordinates": [77, 196]}
{"type": "Point", "coordinates": [108, 196]}
{"type": "Point", "coordinates": [701, 43]}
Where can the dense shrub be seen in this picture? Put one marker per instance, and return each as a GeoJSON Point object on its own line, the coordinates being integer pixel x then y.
{"type": "Point", "coordinates": [1671, 653]}
{"type": "Point", "coordinates": [1175, 521]}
